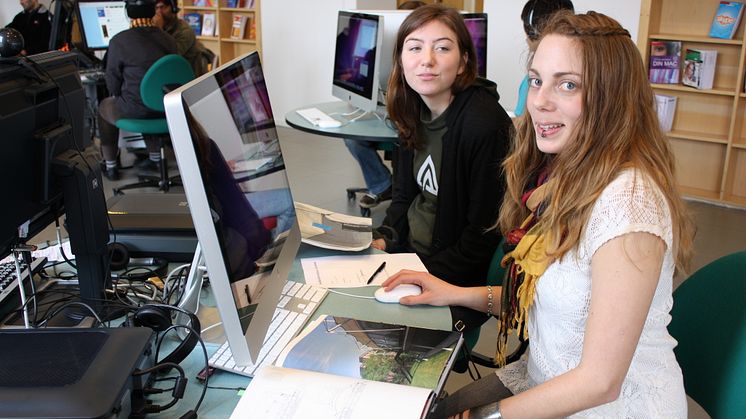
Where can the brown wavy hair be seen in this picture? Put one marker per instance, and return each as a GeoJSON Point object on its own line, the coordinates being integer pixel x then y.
{"type": "Point", "coordinates": [618, 129]}
{"type": "Point", "coordinates": [402, 102]}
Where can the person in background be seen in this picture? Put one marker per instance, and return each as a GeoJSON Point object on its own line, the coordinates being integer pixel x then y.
{"type": "Point", "coordinates": [35, 26]}
{"type": "Point", "coordinates": [453, 137]}
{"type": "Point", "coordinates": [187, 44]}
{"type": "Point", "coordinates": [599, 228]}
{"type": "Point", "coordinates": [130, 55]}
{"type": "Point", "coordinates": [376, 175]}
{"type": "Point", "coordinates": [534, 14]}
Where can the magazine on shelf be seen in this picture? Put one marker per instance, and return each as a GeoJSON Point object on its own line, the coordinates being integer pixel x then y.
{"type": "Point", "coordinates": [208, 24]}
{"type": "Point", "coordinates": [331, 230]}
{"type": "Point", "coordinates": [727, 17]}
{"type": "Point", "coordinates": [238, 28]}
{"type": "Point", "coordinates": [699, 68]}
{"type": "Point", "coordinates": [194, 20]}
{"type": "Point", "coordinates": [342, 367]}
{"type": "Point", "coordinates": [666, 107]}
{"type": "Point", "coordinates": [665, 59]}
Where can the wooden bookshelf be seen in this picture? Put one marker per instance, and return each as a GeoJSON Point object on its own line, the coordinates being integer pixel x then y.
{"type": "Point", "coordinates": [709, 127]}
{"type": "Point", "coordinates": [221, 42]}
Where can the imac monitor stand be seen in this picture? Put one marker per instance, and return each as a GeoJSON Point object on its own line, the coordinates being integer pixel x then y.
{"type": "Point", "coordinates": [234, 177]}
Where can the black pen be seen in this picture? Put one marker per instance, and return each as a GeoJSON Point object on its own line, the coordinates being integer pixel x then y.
{"type": "Point", "coordinates": [378, 271]}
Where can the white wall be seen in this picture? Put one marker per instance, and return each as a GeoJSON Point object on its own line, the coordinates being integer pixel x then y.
{"type": "Point", "coordinates": [506, 57]}
{"type": "Point", "coordinates": [298, 38]}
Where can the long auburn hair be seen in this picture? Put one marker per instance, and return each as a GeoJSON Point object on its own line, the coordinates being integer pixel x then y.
{"type": "Point", "coordinates": [402, 102]}
{"type": "Point", "coordinates": [617, 129]}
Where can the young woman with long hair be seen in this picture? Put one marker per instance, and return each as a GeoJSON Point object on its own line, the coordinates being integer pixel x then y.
{"type": "Point", "coordinates": [598, 229]}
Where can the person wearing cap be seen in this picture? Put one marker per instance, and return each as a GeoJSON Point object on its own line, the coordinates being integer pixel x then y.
{"type": "Point", "coordinates": [187, 44]}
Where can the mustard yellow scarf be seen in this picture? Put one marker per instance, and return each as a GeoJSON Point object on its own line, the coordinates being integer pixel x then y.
{"type": "Point", "coordinates": [525, 264]}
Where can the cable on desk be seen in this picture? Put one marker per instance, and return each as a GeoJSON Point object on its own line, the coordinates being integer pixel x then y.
{"type": "Point", "coordinates": [350, 295]}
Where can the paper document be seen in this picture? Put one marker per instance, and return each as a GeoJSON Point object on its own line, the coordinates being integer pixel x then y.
{"type": "Point", "coordinates": [251, 165]}
{"type": "Point", "coordinates": [288, 393]}
{"type": "Point", "coordinates": [331, 230]}
{"type": "Point", "coordinates": [354, 271]}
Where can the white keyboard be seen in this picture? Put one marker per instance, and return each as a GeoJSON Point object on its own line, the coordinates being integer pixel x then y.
{"type": "Point", "coordinates": [318, 118]}
{"type": "Point", "coordinates": [297, 302]}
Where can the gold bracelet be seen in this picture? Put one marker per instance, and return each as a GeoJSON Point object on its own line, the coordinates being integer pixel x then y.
{"type": "Point", "coordinates": [489, 300]}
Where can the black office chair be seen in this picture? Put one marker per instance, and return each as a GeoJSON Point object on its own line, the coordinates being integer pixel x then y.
{"type": "Point", "coordinates": [165, 74]}
{"type": "Point", "coordinates": [388, 151]}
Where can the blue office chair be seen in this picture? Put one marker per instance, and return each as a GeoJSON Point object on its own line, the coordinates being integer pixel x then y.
{"type": "Point", "coordinates": [167, 73]}
{"type": "Point", "coordinates": [708, 320]}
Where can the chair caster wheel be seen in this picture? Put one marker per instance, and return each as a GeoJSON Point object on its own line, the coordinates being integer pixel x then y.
{"type": "Point", "coordinates": [350, 195]}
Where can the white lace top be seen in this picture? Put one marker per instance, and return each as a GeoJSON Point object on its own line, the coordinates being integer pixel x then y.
{"type": "Point", "coordinates": [654, 386]}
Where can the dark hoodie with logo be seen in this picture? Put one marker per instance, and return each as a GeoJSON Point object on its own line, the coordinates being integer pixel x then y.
{"type": "Point", "coordinates": [470, 189]}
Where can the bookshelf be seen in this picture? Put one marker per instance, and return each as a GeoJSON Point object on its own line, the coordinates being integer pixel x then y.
{"type": "Point", "coordinates": [709, 128]}
{"type": "Point", "coordinates": [224, 11]}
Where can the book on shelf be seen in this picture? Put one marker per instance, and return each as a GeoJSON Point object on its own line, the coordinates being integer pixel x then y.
{"type": "Point", "coordinates": [231, 3]}
{"type": "Point", "coordinates": [343, 367]}
{"type": "Point", "coordinates": [664, 64]}
{"type": "Point", "coordinates": [331, 230]}
{"type": "Point", "coordinates": [699, 68]}
{"type": "Point", "coordinates": [252, 29]}
{"type": "Point", "coordinates": [194, 20]}
{"type": "Point", "coordinates": [727, 17]}
{"type": "Point", "coordinates": [666, 107]}
{"type": "Point", "coordinates": [238, 26]}
{"type": "Point", "coordinates": [208, 24]}
{"type": "Point", "coordinates": [204, 3]}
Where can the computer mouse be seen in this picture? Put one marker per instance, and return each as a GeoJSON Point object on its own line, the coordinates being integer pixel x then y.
{"type": "Point", "coordinates": [329, 123]}
{"type": "Point", "coordinates": [393, 296]}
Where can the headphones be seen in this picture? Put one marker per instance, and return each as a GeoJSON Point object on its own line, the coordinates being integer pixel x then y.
{"type": "Point", "coordinates": [137, 3]}
{"type": "Point", "coordinates": [158, 318]}
{"type": "Point", "coordinates": [172, 3]}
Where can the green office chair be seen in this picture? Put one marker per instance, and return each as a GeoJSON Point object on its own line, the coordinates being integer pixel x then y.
{"type": "Point", "coordinates": [167, 73]}
{"type": "Point", "coordinates": [709, 322]}
{"type": "Point", "coordinates": [495, 276]}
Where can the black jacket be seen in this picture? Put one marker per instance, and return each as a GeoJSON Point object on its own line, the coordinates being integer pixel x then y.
{"type": "Point", "coordinates": [35, 27]}
{"type": "Point", "coordinates": [470, 191]}
{"type": "Point", "coordinates": [130, 55]}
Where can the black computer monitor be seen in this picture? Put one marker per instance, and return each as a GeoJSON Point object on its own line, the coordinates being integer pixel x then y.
{"type": "Point", "coordinates": [476, 23]}
{"type": "Point", "coordinates": [234, 176]}
{"type": "Point", "coordinates": [100, 20]}
{"type": "Point", "coordinates": [62, 21]}
{"type": "Point", "coordinates": [357, 59]}
{"type": "Point", "coordinates": [41, 119]}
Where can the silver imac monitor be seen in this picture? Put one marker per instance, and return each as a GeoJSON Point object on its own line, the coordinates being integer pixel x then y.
{"type": "Point", "coordinates": [357, 58]}
{"type": "Point", "coordinates": [392, 20]}
{"type": "Point", "coordinates": [234, 177]}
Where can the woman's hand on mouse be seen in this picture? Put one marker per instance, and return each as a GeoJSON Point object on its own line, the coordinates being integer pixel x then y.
{"type": "Point", "coordinates": [435, 291]}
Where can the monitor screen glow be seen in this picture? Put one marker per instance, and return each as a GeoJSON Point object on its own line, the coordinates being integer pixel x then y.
{"type": "Point", "coordinates": [100, 21]}
{"type": "Point", "coordinates": [476, 23]}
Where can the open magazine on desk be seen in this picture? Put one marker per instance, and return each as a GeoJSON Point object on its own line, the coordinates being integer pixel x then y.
{"type": "Point", "coordinates": [332, 230]}
{"type": "Point", "coordinates": [342, 367]}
